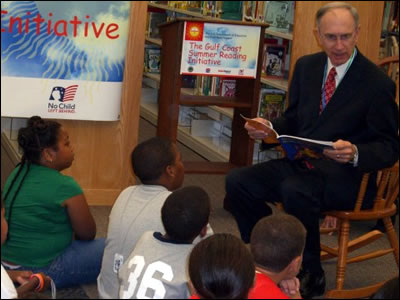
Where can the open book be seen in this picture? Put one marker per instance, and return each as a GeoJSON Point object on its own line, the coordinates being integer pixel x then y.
{"type": "Point", "coordinates": [294, 146]}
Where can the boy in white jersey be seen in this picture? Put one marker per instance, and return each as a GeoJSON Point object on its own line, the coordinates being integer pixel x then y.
{"type": "Point", "coordinates": [157, 267]}
{"type": "Point", "coordinates": [157, 163]}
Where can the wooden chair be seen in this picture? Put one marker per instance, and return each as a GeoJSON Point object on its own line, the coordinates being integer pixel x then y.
{"type": "Point", "coordinates": [384, 207]}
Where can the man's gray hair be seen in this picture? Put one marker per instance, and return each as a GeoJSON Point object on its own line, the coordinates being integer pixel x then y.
{"type": "Point", "coordinates": [324, 9]}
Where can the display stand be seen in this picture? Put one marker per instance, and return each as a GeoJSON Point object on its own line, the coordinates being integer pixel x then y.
{"type": "Point", "coordinates": [244, 102]}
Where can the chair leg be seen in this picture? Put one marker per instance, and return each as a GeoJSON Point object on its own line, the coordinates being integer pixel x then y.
{"type": "Point", "coordinates": [342, 255]}
{"type": "Point", "coordinates": [392, 237]}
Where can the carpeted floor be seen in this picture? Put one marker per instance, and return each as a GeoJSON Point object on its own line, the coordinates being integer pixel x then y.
{"type": "Point", "coordinates": [357, 275]}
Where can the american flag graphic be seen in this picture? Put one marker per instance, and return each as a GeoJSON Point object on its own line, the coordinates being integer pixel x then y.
{"type": "Point", "coordinates": [69, 93]}
{"type": "Point", "coordinates": [63, 94]}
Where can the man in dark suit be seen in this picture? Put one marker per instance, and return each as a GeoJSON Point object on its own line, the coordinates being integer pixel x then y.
{"type": "Point", "coordinates": [336, 95]}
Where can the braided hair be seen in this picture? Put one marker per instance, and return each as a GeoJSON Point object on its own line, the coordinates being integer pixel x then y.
{"type": "Point", "coordinates": [38, 135]}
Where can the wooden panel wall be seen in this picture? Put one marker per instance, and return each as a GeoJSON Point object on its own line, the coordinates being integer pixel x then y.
{"type": "Point", "coordinates": [102, 149]}
{"type": "Point", "coordinates": [304, 41]}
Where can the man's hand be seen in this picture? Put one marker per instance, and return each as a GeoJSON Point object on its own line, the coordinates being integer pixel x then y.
{"type": "Point", "coordinates": [254, 133]}
{"type": "Point", "coordinates": [291, 287]}
{"type": "Point", "coordinates": [343, 151]}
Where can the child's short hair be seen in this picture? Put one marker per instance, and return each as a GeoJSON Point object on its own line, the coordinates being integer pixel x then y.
{"type": "Point", "coordinates": [221, 267]}
{"type": "Point", "coordinates": [185, 213]}
{"type": "Point", "coordinates": [276, 240]}
{"type": "Point", "coordinates": [150, 158]}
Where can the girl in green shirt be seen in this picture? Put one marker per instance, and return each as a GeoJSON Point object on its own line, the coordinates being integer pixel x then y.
{"type": "Point", "coordinates": [51, 229]}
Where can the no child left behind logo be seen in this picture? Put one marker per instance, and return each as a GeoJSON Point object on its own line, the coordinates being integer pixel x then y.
{"type": "Point", "coordinates": [58, 98]}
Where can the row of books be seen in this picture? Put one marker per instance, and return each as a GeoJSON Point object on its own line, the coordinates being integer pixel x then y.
{"type": "Point", "coordinates": [279, 14]}
{"type": "Point", "coordinates": [215, 86]}
{"type": "Point", "coordinates": [209, 85]}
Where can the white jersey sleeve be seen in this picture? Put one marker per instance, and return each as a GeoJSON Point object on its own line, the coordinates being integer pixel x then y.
{"type": "Point", "coordinates": [8, 290]}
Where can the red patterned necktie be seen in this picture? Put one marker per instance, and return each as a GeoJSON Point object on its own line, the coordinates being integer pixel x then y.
{"type": "Point", "coordinates": [329, 88]}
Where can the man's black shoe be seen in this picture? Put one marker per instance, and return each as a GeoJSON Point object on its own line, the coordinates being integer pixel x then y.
{"type": "Point", "coordinates": [311, 284]}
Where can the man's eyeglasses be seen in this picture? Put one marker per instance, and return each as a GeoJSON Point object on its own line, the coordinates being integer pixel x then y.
{"type": "Point", "coordinates": [334, 38]}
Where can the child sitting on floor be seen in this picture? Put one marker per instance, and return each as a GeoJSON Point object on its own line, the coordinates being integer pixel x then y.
{"type": "Point", "coordinates": [221, 267]}
{"type": "Point", "coordinates": [157, 266]}
{"type": "Point", "coordinates": [277, 244]}
{"type": "Point", "coordinates": [157, 162]}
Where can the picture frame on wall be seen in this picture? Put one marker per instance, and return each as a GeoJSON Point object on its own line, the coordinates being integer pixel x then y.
{"type": "Point", "coordinates": [274, 60]}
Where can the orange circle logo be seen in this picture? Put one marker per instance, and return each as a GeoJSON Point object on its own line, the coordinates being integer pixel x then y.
{"type": "Point", "coordinates": [194, 31]}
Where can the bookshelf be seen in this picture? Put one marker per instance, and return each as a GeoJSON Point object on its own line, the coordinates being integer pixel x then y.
{"type": "Point", "coordinates": [284, 35]}
{"type": "Point", "coordinates": [302, 42]}
{"type": "Point", "coordinates": [276, 83]}
{"type": "Point", "coordinates": [154, 41]}
{"type": "Point", "coordinates": [213, 149]}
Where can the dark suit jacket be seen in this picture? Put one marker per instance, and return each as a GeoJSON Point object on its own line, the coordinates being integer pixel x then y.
{"type": "Point", "coordinates": [362, 110]}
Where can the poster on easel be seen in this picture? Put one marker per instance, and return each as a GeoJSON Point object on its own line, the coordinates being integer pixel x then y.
{"type": "Point", "coordinates": [218, 49]}
{"type": "Point", "coordinates": [63, 59]}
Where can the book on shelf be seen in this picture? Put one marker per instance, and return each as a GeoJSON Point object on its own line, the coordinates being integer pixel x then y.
{"type": "Point", "coordinates": [253, 11]}
{"type": "Point", "coordinates": [260, 18]}
{"type": "Point", "coordinates": [194, 6]}
{"type": "Point", "coordinates": [154, 19]}
{"type": "Point", "coordinates": [249, 11]}
{"type": "Point", "coordinates": [294, 146]}
{"type": "Point", "coordinates": [280, 15]}
{"type": "Point", "coordinates": [211, 8]}
{"type": "Point", "coordinates": [276, 44]}
{"type": "Point", "coordinates": [152, 59]}
{"type": "Point", "coordinates": [189, 81]}
{"type": "Point", "coordinates": [231, 10]}
{"type": "Point", "coordinates": [228, 87]}
{"type": "Point", "coordinates": [178, 4]}
{"type": "Point", "coordinates": [274, 60]}
{"type": "Point", "coordinates": [271, 103]}
{"type": "Point", "coordinates": [208, 86]}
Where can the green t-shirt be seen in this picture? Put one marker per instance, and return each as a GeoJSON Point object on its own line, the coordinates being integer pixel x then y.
{"type": "Point", "coordinates": [40, 229]}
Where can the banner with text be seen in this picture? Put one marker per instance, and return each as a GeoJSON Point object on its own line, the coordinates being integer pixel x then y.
{"type": "Point", "coordinates": [220, 49]}
{"type": "Point", "coordinates": [63, 59]}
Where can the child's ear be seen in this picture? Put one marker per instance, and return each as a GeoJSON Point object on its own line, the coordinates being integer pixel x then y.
{"type": "Point", "coordinates": [294, 266]}
{"type": "Point", "coordinates": [48, 155]}
{"type": "Point", "coordinates": [203, 232]}
{"type": "Point", "coordinates": [171, 171]}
